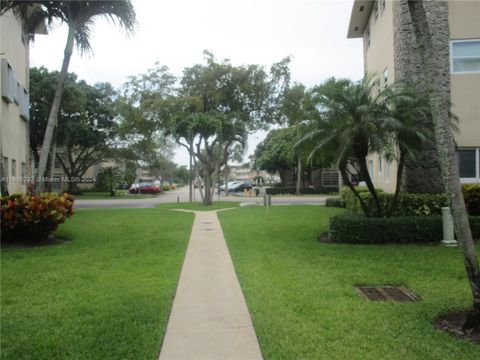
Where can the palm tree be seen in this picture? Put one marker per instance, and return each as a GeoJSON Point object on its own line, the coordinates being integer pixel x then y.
{"type": "Point", "coordinates": [79, 16]}
{"type": "Point", "coordinates": [405, 106]}
{"type": "Point", "coordinates": [350, 126]}
{"type": "Point", "coordinates": [435, 64]}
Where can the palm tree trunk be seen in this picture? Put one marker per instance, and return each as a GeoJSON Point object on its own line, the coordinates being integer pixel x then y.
{"type": "Point", "coordinates": [349, 184]}
{"type": "Point", "coordinates": [299, 175]}
{"type": "Point", "coordinates": [398, 186]}
{"type": "Point", "coordinates": [366, 176]}
{"type": "Point", "coordinates": [433, 44]}
{"type": "Point", "coordinates": [52, 117]}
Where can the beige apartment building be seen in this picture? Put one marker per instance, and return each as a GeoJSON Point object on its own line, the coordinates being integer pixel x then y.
{"type": "Point", "coordinates": [377, 23]}
{"type": "Point", "coordinates": [15, 102]}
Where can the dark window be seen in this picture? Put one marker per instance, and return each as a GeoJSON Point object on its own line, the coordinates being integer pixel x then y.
{"type": "Point", "coordinates": [466, 163]}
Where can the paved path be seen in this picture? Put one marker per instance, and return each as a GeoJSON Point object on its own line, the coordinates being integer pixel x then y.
{"type": "Point", "coordinates": [209, 318]}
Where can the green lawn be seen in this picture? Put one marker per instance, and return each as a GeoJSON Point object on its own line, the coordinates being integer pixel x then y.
{"type": "Point", "coordinates": [119, 194]}
{"type": "Point", "coordinates": [217, 205]}
{"type": "Point", "coordinates": [105, 295]}
{"type": "Point", "coordinates": [302, 300]}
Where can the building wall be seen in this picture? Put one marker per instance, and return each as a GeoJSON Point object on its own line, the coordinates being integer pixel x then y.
{"type": "Point", "coordinates": [14, 129]}
{"type": "Point", "coordinates": [464, 20]}
{"type": "Point", "coordinates": [389, 49]}
{"type": "Point", "coordinates": [379, 56]}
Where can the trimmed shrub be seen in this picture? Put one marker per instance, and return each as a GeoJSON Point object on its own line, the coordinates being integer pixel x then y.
{"type": "Point", "coordinates": [348, 228]}
{"type": "Point", "coordinates": [351, 202]}
{"type": "Point", "coordinates": [166, 187]}
{"type": "Point", "coordinates": [471, 193]}
{"type": "Point", "coordinates": [303, 191]}
{"type": "Point", "coordinates": [408, 204]}
{"type": "Point", "coordinates": [334, 202]}
{"type": "Point", "coordinates": [33, 217]}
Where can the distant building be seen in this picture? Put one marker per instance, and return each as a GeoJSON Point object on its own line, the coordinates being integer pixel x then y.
{"type": "Point", "coordinates": [15, 102]}
{"type": "Point", "coordinates": [387, 51]}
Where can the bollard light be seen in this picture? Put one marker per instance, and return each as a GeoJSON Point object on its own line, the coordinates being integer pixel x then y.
{"type": "Point", "coordinates": [448, 234]}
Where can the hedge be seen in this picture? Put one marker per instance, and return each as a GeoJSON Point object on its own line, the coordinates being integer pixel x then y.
{"type": "Point", "coordinates": [303, 191]}
{"type": "Point", "coordinates": [471, 194]}
{"type": "Point", "coordinates": [408, 204]}
{"type": "Point", "coordinates": [33, 217]}
{"type": "Point", "coordinates": [334, 202]}
{"type": "Point", "coordinates": [347, 228]}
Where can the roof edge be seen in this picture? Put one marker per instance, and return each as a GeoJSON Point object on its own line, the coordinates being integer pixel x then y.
{"type": "Point", "coordinates": [360, 14]}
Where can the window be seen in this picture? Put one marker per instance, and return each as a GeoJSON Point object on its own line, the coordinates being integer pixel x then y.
{"type": "Point", "coordinates": [375, 11]}
{"type": "Point", "coordinates": [385, 77]}
{"type": "Point", "coordinates": [24, 104]}
{"type": "Point", "coordinates": [467, 163]}
{"type": "Point", "coordinates": [9, 83]}
{"type": "Point", "coordinates": [14, 167]}
{"type": "Point", "coordinates": [379, 165]}
{"type": "Point", "coordinates": [367, 36]}
{"type": "Point", "coordinates": [23, 170]}
{"type": "Point", "coordinates": [465, 56]}
{"type": "Point", "coordinates": [388, 165]}
{"type": "Point", "coordinates": [5, 166]}
{"type": "Point", "coordinates": [370, 168]}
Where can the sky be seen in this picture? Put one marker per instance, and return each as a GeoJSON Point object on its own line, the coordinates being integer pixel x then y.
{"type": "Point", "coordinates": [175, 33]}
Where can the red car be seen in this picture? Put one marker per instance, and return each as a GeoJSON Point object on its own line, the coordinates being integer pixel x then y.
{"type": "Point", "coordinates": [144, 188]}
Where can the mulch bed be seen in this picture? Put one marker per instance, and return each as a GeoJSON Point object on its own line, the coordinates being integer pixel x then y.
{"type": "Point", "coordinates": [29, 243]}
{"type": "Point", "coordinates": [452, 323]}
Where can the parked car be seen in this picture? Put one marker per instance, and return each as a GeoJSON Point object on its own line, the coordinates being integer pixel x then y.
{"type": "Point", "coordinates": [230, 185]}
{"type": "Point", "coordinates": [240, 187]}
{"type": "Point", "coordinates": [144, 188]}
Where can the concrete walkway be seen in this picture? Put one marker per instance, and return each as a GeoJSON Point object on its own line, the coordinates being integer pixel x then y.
{"type": "Point", "coordinates": [209, 318]}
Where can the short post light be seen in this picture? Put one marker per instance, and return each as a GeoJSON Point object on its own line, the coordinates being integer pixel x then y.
{"type": "Point", "coordinates": [448, 234]}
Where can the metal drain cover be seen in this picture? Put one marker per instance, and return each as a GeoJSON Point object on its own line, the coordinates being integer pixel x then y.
{"type": "Point", "coordinates": [386, 293]}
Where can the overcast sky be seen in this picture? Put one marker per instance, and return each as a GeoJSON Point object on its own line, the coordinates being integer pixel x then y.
{"type": "Point", "coordinates": [175, 33]}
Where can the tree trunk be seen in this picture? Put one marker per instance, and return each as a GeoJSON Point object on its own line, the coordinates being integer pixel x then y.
{"type": "Point", "coordinates": [225, 177]}
{"type": "Point", "coordinates": [52, 117]}
{"type": "Point", "coordinates": [433, 43]}
{"type": "Point", "coordinates": [362, 162]}
{"type": "Point", "coordinates": [190, 174]}
{"type": "Point", "coordinates": [299, 175]}
{"type": "Point", "coordinates": [421, 174]}
{"type": "Point", "coordinates": [349, 184]}
{"type": "Point", "coordinates": [401, 166]}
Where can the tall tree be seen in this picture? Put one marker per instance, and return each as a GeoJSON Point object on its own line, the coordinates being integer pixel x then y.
{"type": "Point", "coordinates": [294, 109]}
{"type": "Point", "coordinates": [79, 16]}
{"type": "Point", "coordinates": [276, 152]}
{"type": "Point", "coordinates": [210, 108]}
{"type": "Point", "coordinates": [432, 36]}
{"type": "Point", "coordinates": [86, 126]}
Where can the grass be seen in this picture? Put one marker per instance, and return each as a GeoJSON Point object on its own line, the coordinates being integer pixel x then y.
{"type": "Point", "coordinates": [104, 195]}
{"type": "Point", "coordinates": [198, 206]}
{"type": "Point", "coordinates": [105, 295]}
{"type": "Point", "coordinates": [301, 293]}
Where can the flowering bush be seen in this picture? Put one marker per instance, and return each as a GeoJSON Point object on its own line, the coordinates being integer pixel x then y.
{"type": "Point", "coordinates": [33, 217]}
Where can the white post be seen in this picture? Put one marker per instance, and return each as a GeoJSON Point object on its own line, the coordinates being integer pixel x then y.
{"type": "Point", "coordinates": [448, 235]}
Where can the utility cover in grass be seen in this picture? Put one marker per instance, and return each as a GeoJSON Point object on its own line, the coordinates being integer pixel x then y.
{"type": "Point", "coordinates": [386, 293]}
